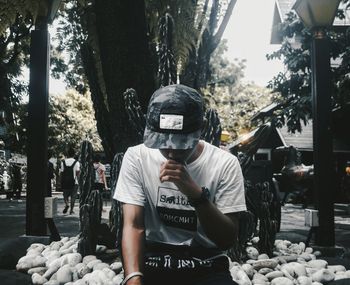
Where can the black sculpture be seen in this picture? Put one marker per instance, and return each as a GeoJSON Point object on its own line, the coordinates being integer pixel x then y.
{"type": "Point", "coordinates": [263, 205]}
{"type": "Point", "coordinates": [90, 203]}
{"type": "Point", "coordinates": [296, 179]}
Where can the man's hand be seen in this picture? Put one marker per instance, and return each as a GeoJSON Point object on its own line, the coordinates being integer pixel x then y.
{"type": "Point", "coordinates": [173, 171]}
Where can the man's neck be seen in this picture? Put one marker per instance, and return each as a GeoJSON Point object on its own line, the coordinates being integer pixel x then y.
{"type": "Point", "coordinates": [197, 152]}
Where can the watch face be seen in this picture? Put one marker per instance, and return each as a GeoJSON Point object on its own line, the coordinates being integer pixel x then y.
{"type": "Point", "coordinates": [206, 192]}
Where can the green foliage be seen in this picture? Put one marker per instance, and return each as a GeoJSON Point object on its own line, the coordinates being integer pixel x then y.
{"type": "Point", "coordinates": [10, 10]}
{"type": "Point", "coordinates": [14, 49]}
{"type": "Point", "coordinates": [66, 60]}
{"type": "Point", "coordinates": [223, 72]}
{"type": "Point", "coordinates": [236, 105]}
{"type": "Point", "coordinates": [186, 33]}
{"type": "Point", "coordinates": [294, 84]}
{"type": "Point", "coordinates": [71, 121]}
{"type": "Point", "coordinates": [236, 102]}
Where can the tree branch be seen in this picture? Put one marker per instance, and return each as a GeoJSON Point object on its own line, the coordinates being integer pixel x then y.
{"type": "Point", "coordinates": [202, 17]}
{"type": "Point", "coordinates": [220, 32]}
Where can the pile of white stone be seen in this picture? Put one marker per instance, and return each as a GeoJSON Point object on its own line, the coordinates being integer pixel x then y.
{"type": "Point", "coordinates": [59, 263]}
{"type": "Point", "coordinates": [292, 264]}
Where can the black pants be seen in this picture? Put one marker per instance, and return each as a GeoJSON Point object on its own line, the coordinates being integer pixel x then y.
{"type": "Point", "coordinates": [99, 186]}
{"type": "Point", "coordinates": [183, 266]}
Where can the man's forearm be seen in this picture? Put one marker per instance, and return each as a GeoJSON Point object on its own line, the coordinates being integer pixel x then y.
{"type": "Point", "coordinates": [132, 250]}
{"type": "Point", "coordinates": [219, 228]}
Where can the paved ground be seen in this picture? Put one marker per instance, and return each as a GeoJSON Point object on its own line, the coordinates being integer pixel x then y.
{"type": "Point", "coordinates": [13, 241]}
{"type": "Point", "coordinates": [293, 229]}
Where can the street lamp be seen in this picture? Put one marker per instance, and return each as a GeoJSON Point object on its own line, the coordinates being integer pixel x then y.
{"type": "Point", "coordinates": [316, 15]}
{"type": "Point", "coordinates": [38, 118]}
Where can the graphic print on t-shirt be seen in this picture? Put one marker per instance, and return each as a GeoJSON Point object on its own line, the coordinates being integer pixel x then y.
{"type": "Point", "coordinates": [174, 210]}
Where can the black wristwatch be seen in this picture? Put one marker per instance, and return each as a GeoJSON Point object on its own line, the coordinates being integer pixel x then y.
{"type": "Point", "coordinates": [204, 197]}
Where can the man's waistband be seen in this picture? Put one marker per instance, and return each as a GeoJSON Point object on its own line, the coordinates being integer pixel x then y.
{"type": "Point", "coordinates": [182, 250]}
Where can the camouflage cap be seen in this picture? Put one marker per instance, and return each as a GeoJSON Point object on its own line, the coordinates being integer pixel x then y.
{"type": "Point", "coordinates": [174, 118]}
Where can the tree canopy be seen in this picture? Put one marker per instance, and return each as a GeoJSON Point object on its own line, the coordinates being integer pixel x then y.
{"type": "Point", "coordinates": [71, 121]}
{"type": "Point", "coordinates": [294, 84]}
{"type": "Point", "coordinates": [235, 101]}
{"type": "Point", "coordinates": [114, 45]}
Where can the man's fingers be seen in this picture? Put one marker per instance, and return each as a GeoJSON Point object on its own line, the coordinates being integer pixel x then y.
{"type": "Point", "coordinates": [169, 172]}
{"type": "Point", "coordinates": [173, 161]}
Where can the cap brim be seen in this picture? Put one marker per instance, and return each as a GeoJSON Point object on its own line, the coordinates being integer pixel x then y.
{"type": "Point", "coordinates": [158, 140]}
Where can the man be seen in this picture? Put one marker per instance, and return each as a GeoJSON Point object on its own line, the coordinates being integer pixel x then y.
{"type": "Point", "coordinates": [100, 182]}
{"type": "Point", "coordinates": [50, 174]}
{"type": "Point", "coordinates": [70, 170]}
{"type": "Point", "coordinates": [180, 197]}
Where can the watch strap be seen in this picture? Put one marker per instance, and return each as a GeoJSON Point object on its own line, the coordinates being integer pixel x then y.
{"type": "Point", "coordinates": [204, 197]}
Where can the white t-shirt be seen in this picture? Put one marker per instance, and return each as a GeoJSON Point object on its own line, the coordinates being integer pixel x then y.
{"type": "Point", "coordinates": [69, 162]}
{"type": "Point", "coordinates": [100, 169]}
{"type": "Point", "coordinates": [168, 216]}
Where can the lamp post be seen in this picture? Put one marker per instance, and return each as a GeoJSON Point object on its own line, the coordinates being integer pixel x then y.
{"type": "Point", "coordinates": [38, 119]}
{"type": "Point", "coordinates": [316, 15]}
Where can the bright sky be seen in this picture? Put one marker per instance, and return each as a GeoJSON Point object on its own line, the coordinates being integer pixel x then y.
{"type": "Point", "coordinates": [248, 34]}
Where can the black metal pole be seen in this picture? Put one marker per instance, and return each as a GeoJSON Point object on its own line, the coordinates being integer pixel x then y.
{"type": "Point", "coordinates": [37, 131]}
{"type": "Point", "coordinates": [322, 139]}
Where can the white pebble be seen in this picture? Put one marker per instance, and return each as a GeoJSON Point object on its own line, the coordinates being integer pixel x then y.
{"type": "Point", "coordinates": [89, 258]}
{"type": "Point", "coordinates": [340, 275]}
{"type": "Point", "coordinates": [100, 266]}
{"type": "Point", "coordinates": [74, 259]}
{"type": "Point", "coordinates": [92, 263]}
{"type": "Point", "coordinates": [100, 248]}
{"type": "Point", "coordinates": [318, 263]}
{"type": "Point", "coordinates": [308, 250]}
{"type": "Point", "coordinates": [117, 279]}
{"type": "Point", "coordinates": [52, 282]}
{"type": "Point", "coordinates": [304, 280]}
{"type": "Point", "coordinates": [269, 263]}
{"type": "Point", "coordinates": [295, 269]}
{"type": "Point", "coordinates": [39, 270]}
{"type": "Point", "coordinates": [56, 245]}
{"type": "Point", "coordinates": [263, 256]}
{"type": "Point", "coordinates": [109, 273]}
{"type": "Point", "coordinates": [252, 252]}
{"type": "Point", "coordinates": [52, 270]}
{"type": "Point", "coordinates": [272, 275]}
{"type": "Point", "coordinates": [82, 269]}
{"type": "Point", "coordinates": [258, 276]}
{"type": "Point", "coordinates": [255, 240]}
{"type": "Point", "coordinates": [282, 281]}
{"type": "Point", "coordinates": [323, 276]}
{"type": "Point", "coordinates": [336, 268]}
{"type": "Point", "coordinates": [80, 282]}
{"type": "Point", "coordinates": [64, 274]}
{"type": "Point", "coordinates": [306, 256]}
{"type": "Point", "coordinates": [265, 270]}
{"type": "Point", "coordinates": [38, 279]}
{"type": "Point", "coordinates": [248, 269]}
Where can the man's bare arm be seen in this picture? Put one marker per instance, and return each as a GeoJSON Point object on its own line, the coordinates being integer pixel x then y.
{"type": "Point", "coordinates": [220, 228]}
{"type": "Point", "coordinates": [133, 241]}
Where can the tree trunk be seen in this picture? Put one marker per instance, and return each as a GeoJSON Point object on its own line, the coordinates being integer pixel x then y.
{"type": "Point", "coordinates": [117, 58]}
{"type": "Point", "coordinates": [197, 72]}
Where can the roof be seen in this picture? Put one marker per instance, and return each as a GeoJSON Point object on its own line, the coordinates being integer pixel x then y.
{"type": "Point", "coordinates": [266, 111]}
{"type": "Point", "coordinates": [283, 7]}
{"type": "Point", "coordinates": [303, 140]}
